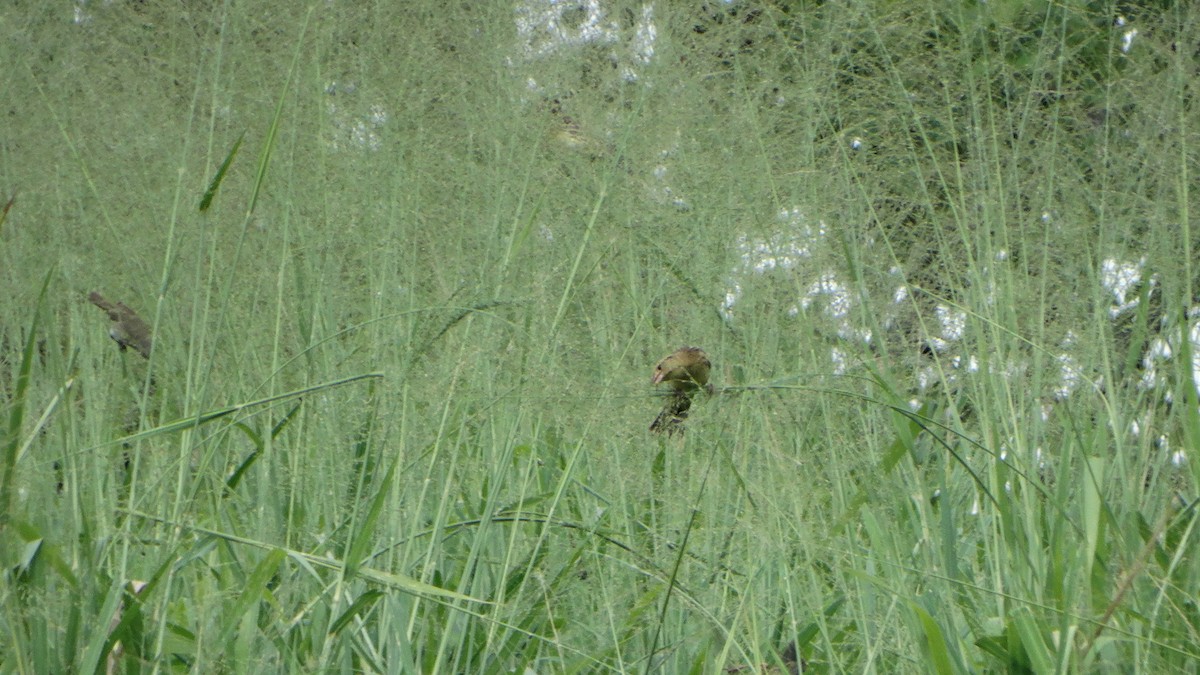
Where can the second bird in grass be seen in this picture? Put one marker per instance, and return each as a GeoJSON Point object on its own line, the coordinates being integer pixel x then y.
{"type": "Point", "coordinates": [686, 370]}
{"type": "Point", "coordinates": [128, 329]}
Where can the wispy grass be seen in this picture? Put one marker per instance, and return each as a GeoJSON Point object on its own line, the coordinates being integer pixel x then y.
{"type": "Point", "coordinates": [395, 417]}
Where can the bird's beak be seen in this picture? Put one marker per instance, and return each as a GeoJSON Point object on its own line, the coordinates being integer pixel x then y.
{"type": "Point", "coordinates": [658, 376]}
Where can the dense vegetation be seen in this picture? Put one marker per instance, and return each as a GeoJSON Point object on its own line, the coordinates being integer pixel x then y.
{"type": "Point", "coordinates": [408, 267]}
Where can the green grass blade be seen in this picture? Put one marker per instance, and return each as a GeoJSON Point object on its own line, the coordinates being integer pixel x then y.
{"type": "Point", "coordinates": [360, 545]}
{"type": "Point", "coordinates": [16, 414]}
{"type": "Point", "coordinates": [264, 159]}
{"type": "Point", "coordinates": [215, 184]}
{"type": "Point", "coordinates": [204, 418]}
{"type": "Point", "coordinates": [935, 641]}
{"type": "Point", "coordinates": [251, 593]}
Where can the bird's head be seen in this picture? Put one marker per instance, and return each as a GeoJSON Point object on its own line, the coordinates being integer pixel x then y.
{"type": "Point", "coordinates": [686, 368]}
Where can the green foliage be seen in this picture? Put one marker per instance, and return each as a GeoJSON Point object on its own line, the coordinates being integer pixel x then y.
{"type": "Point", "coordinates": [395, 417]}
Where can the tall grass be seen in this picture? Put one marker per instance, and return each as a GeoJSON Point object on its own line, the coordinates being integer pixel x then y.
{"type": "Point", "coordinates": [395, 417]}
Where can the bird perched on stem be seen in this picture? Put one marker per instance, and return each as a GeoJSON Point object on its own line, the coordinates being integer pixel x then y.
{"type": "Point", "coordinates": [686, 370]}
{"type": "Point", "coordinates": [128, 329]}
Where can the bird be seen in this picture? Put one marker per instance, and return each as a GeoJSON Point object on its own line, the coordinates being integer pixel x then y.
{"type": "Point", "coordinates": [128, 329]}
{"type": "Point", "coordinates": [686, 370]}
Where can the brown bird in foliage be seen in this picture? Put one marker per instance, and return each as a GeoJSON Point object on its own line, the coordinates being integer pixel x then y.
{"type": "Point", "coordinates": [128, 329]}
{"type": "Point", "coordinates": [686, 370]}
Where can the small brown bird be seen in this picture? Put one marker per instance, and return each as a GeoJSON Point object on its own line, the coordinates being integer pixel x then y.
{"type": "Point", "coordinates": [686, 370]}
{"type": "Point", "coordinates": [128, 329]}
